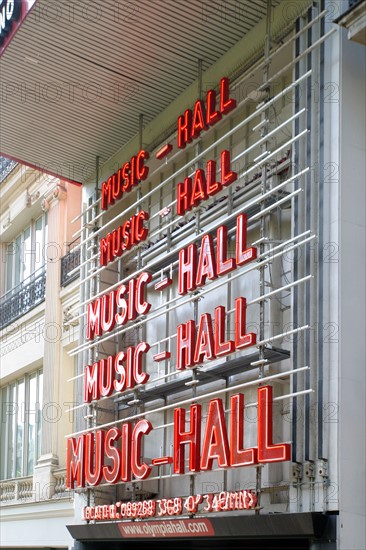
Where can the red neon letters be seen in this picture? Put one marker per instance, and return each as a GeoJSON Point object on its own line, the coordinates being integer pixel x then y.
{"type": "Point", "coordinates": [220, 502]}
{"type": "Point", "coordinates": [204, 184]}
{"type": "Point", "coordinates": [87, 467]}
{"type": "Point", "coordinates": [208, 342]}
{"type": "Point", "coordinates": [212, 261]}
{"type": "Point", "coordinates": [115, 308]}
{"type": "Point", "coordinates": [217, 444]}
{"type": "Point", "coordinates": [267, 452]}
{"type": "Point", "coordinates": [204, 114]}
{"type": "Point", "coordinates": [116, 373]}
{"type": "Point", "coordinates": [124, 179]}
{"type": "Point", "coordinates": [131, 233]}
{"type": "Point", "coordinates": [116, 454]}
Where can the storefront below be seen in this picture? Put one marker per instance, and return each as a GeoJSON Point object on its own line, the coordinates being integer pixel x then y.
{"type": "Point", "coordinates": [286, 531]}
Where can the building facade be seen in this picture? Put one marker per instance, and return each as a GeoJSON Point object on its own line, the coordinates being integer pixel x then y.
{"type": "Point", "coordinates": [211, 360]}
{"type": "Point", "coordinates": [36, 214]}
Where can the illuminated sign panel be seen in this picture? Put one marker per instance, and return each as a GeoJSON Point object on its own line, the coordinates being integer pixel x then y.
{"type": "Point", "coordinates": [12, 14]}
{"type": "Point", "coordinates": [203, 438]}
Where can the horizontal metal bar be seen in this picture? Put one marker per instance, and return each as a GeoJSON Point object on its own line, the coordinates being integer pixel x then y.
{"type": "Point", "coordinates": [282, 335]}
{"type": "Point", "coordinates": [160, 229]}
{"type": "Point", "coordinates": [245, 173]}
{"type": "Point", "coordinates": [202, 153]}
{"type": "Point", "coordinates": [278, 290]}
{"type": "Point", "coordinates": [189, 401]}
{"type": "Point", "coordinates": [149, 318]}
{"type": "Point", "coordinates": [299, 57]}
{"type": "Point", "coordinates": [257, 66]}
{"type": "Point", "coordinates": [276, 204]}
{"type": "Point", "coordinates": [270, 251]}
{"type": "Point", "coordinates": [262, 342]}
{"type": "Point", "coordinates": [120, 394]}
{"type": "Point", "coordinates": [209, 228]}
{"type": "Point", "coordinates": [170, 476]}
{"type": "Point", "coordinates": [83, 347]}
{"type": "Point", "coordinates": [246, 406]}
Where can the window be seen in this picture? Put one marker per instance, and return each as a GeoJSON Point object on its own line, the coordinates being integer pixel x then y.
{"type": "Point", "coordinates": [26, 254]}
{"type": "Point", "coordinates": [20, 429]}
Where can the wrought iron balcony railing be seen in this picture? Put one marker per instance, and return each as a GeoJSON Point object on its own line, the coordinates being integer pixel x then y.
{"type": "Point", "coordinates": [70, 261]}
{"type": "Point", "coordinates": [22, 298]}
{"type": "Point", "coordinates": [6, 166]}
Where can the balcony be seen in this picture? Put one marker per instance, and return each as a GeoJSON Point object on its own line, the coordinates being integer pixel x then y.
{"type": "Point", "coordinates": [16, 490]}
{"type": "Point", "coordinates": [6, 166]}
{"type": "Point", "coordinates": [70, 261]}
{"type": "Point", "coordinates": [22, 490]}
{"type": "Point", "coordinates": [22, 298]}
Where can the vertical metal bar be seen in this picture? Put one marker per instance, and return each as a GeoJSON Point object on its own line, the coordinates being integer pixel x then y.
{"type": "Point", "coordinates": [139, 194]}
{"type": "Point", "coordinates": [13, 470]}
{"type": "Point", "coordinates": [4, 473]}
{"type": "Point", "coordinates": [26, 426]}
{"type": "Point", "coordinates": [313, 429]}
{"type": "Point", "coordinates": [141, 331]}
{"type": "Point", "coordinates": [165, 450]}
{"type": "Point", "coordinates": [92, 353]}
{"type": "Point", "coordinates": [82, 357]}
{"type": "Point", "coordinates": [200, 73]}
{"type": "Point", "coordinates": [295, 157]}
{"type": "Point", "coordinates": [97, 170]}
{"type": "Point", "coordinates": [198, 149]}
{"type": "Point", "coordinates": [320, 242]}
{"type": "Point", "coordinates": [141, 127]}
{"type": "Point", "coordinates": [94, 287]}
{"type": "Point", "coordinates": [262, 228]}
{"type": "Point", "coordinates": [307, 220]}
{"type": "Point", "coordinates": [170, 294]}
{"type": "Point", "coordinates": [227, 407]}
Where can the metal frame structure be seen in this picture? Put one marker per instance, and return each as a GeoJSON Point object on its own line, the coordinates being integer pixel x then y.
{"type": "Point", "coordinates": [261, 191]}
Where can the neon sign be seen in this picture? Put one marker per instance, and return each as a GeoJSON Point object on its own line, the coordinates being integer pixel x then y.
{"type": "Point", "coordinates": [115, 454]}
{"type": "Point", "coordinates": [224, 501]}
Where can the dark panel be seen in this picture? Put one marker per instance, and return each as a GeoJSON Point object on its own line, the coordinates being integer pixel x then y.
{"type": "Point", "coordinates": [271, 526]}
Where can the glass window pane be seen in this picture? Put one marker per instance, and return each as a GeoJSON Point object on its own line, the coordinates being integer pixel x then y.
{"type": "Point", "coordinates": [39, 419]}
{"type": "Point", "coordinates": [31, 411]}
{"type": "Point", "coordinates": [39, 245]}
{"type": "Point", "coordinates": [20, 426]}
{"type": "Point", "coordinates": [20, 429]}
{"type": "Point", "coordinates": [18, 270]}
{"type": "Point", "coordinates": [10, 251]}
{"type": "Point", "coordinates": [45, 238]}
{"type": "Point", "coordinates": [11, 419]}
{"type": "Point", "coordinates": [3, 427]}
{"type": "Point", "coordinates": [28, 253]}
